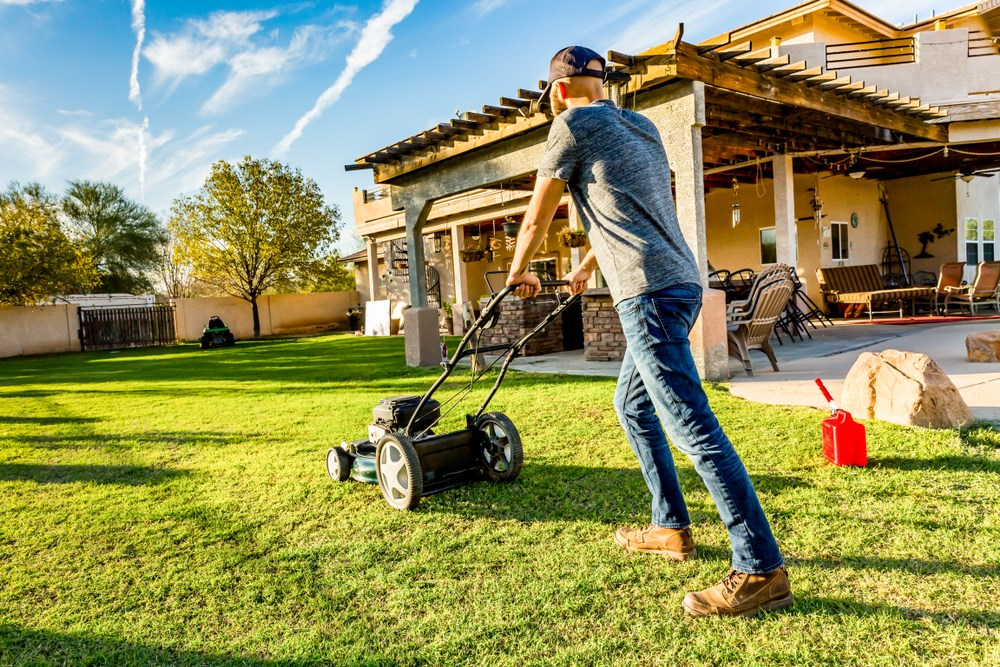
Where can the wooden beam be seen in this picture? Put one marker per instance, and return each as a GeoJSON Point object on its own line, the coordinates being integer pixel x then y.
{"type": "Point", "coordinates": [825, 77]}
{"type": "Point", "coordinates": [835, 83]}
{"type": "Point", "coordinates": [514, 103]}
{"type": "Point", "coordinates": [771, 63]}
{"type": "Point", "coordinates": [529, 94]}
{"type": "Point", "coordinates": [785, 70]}
{"type": "Point", "coordinates": [726, 76]}
{"type": "Point", "coordinates": [480, 118]}
{"type": "Point", "coordinates": [731, 51]}
{"type": "Point", "coordinates": [753, 57]}
{"type": "Point", "coordinates": [805, 74]}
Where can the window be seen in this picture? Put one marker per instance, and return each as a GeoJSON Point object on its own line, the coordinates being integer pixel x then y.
{"type": "Point", "coordinates": [971, 241]}
{"type": "Point", "coordinates": [839, 244]}
{"type": "Point", "coordinates": [768, 246]}
{"type": "Point", "coordinates": [980, 241]}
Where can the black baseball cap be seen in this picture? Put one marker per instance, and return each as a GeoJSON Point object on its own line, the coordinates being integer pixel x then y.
{"type": "Point", "coordinates": [572, 61]}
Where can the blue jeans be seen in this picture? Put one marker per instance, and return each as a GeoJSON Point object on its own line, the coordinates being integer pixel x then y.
{"type": "Point", "coordinates": [659, 377]}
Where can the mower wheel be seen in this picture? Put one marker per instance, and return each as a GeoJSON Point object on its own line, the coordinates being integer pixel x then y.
{"type": "Point", "coordinates": [398, 469]}
{"type": "Point", "coordinates": [502, 451]}
{"type": "Point", "coordinates": [338, 464]}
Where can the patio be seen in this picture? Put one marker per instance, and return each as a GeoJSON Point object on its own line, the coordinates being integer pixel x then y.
{"type": "Point", "coordinates": [830, 355]}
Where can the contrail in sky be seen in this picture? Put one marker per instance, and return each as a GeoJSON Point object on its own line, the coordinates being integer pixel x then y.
{"type": "Point", "coordinates": [375, 36]}
{"type": "Point", "coordinates": [143, 129]}
{"type": "Point", "coordinates": [139, 27]}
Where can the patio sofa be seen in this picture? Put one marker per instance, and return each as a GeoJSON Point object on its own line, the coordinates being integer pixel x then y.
{"type": "Point", "coordinates": [863, 285]}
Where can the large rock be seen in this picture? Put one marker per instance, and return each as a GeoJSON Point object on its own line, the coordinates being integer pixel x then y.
{"type": "Point", "coordinates": [903, 388]}
{"type": "Point", "coordinates": [983, 346]}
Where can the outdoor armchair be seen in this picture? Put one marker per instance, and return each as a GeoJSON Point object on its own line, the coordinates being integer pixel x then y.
{"type": "Point", "coordinates": [950, 276]}
{"type": "Point", "coordinates": [984, 289]}
{"type": "Point", "coordinates": [751, 328]}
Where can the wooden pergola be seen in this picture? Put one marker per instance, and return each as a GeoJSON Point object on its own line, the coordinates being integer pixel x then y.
{"type": "Point", "coordinates": [757, 106]}
{"type": "Point", "coordinates": [720, 107]}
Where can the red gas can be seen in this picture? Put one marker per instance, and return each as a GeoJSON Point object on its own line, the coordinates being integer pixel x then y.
{"type": "Point", "coordinates": [844, 440]}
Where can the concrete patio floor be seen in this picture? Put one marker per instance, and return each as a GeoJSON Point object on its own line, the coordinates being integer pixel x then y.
{"type": "Point", "coordinates": [830, 355]}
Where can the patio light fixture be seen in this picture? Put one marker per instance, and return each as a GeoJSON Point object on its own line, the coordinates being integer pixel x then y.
{"type": "Point", "coordinates": [736, 204]}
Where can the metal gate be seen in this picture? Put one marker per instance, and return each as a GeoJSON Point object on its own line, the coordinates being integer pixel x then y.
{"type": "Point", "coordinates": [103, 328]}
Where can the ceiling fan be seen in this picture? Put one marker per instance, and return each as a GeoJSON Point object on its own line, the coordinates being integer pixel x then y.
{"type": "Point", "coordinates": [968, 174]}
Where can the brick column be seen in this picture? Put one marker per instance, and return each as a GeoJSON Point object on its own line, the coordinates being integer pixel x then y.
{"type": "Point", "coordinates": [603, 339]}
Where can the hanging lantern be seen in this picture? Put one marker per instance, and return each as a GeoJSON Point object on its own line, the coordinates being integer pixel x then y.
{"type": "Point", "coordinates": [736, 204]}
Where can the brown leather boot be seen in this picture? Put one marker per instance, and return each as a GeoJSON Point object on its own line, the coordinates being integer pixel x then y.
{"type": "Point", "coordinates": [674, 543]}
{"type": "Point", "coordinates": [742, 594]}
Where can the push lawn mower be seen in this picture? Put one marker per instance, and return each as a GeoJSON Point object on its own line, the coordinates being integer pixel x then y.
{"type": "Point", "coordinates": [403, 454]}
{"type": "Point", "coordinates": [216, 334]}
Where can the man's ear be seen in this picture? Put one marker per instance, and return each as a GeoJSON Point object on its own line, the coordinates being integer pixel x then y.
{"type": "Point", "coordinates": [560, 89]}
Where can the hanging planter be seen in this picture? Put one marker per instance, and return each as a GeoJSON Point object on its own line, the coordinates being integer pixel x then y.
{"type": "Point", "coordinates": [471, 254]}
{"type": "Point", "coordinates": [511, 227]}
{"type": "Point", "coordinates": [572, 238]}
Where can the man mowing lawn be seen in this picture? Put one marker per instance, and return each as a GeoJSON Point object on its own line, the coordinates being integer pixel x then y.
{"type": "Point", "coordinates": [616, 168]}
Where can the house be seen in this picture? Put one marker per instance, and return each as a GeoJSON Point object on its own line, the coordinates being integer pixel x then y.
{"type": "Point", "coordinates": [795, 139]}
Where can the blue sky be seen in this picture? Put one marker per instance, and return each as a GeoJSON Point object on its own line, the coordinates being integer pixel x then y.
{"type": "Point", "coordinates": [149, 94]}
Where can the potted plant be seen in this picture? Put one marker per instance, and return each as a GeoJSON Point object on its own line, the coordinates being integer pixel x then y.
{"type": "Point", "coordinates": [511, 226]}
{"type": "Point", "coordinates": [471, 254]}
{"type": "Point", "coordinates": [572, 238]}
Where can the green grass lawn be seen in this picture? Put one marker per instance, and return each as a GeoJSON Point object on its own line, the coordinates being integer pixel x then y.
{"type": "Point", "coordinates": [171, 506]}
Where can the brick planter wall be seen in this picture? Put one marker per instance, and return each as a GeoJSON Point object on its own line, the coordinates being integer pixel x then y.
{"type": "Point", "coordinates": [603, 339]}
{"type": "Point", "coordinates": [518, 317]}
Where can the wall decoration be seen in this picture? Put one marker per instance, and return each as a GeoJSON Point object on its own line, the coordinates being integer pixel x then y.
{"type": "Point", "coordinates": [939, 232]}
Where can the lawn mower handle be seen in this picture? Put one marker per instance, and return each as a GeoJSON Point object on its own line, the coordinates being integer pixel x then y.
{"type": "Point", "coordinates": [491, 311]}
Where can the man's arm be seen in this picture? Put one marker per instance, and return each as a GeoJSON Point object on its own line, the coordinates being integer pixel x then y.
{"type": "Point", "coordinates": [579, 277]}
{"type": "Point", "coordinates": [541, 209]}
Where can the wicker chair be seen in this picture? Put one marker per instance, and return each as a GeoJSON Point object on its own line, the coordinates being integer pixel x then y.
{"type": "Point", "coordinates": [985, 289]}
{"type": "Point", "coordinates": [751, 328]}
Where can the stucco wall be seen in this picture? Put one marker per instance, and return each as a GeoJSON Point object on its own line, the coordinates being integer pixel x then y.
{"type": "Point", "coordinates": [918, 204]}
{"type": "Point", "coordinates": [39, 330]}
{"type": "Point", "coordinates": [279, 314]}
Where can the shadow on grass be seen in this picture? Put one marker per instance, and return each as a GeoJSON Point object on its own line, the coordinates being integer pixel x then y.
{"type": "Point", "coordinates": [20, 646]}
{"type": "Point", "coordinates": [904, 565]}
{"type": "Point", "coordinates": [547, 492]}
{"type": "Point", "coordinates": [70, 474]}
{"type": "Point", "coordinates": [981, 618]}
{"type": "Point", "coordinates": [42, 421]}
{"type": "Point", "coordinates": [130, 441]}
{"type": "Point", "coordinates": [943, 463]}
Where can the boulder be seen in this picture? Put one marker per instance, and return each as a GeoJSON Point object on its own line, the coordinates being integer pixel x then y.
{"type": "Point", "coordinates": [983, 346]}
{"type": "Point", "coordinates": [903, 388]}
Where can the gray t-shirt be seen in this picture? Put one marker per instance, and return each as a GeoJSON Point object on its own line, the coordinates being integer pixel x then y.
{"type": "Point", "coordinates": [616, 169]}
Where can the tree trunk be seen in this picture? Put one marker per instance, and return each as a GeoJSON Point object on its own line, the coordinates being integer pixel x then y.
{"type": "Point", "coordinates": [256, 317]}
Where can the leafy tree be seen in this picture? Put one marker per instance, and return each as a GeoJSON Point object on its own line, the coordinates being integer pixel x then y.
{"type": "Point", "coordinates": [174, 277]}
{"type": "Point", "coordinates": [253, 226]}
{"type": "Point", "coordinates": [327, 274]}
{"type": "Point", "coordinates": [122, 236]}
{"type": "Point", "coordinates": [37, 259]}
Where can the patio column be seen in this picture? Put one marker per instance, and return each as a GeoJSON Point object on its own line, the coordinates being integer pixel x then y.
{"type": "Point", "coordinates": [679, 113]}
{"type": "Point", "coordinates": [461, 278]}
{"type": "Point", "coordinates": [420, 323]}
{"type": "Point", "coordinates": [373, 275]}
{"type": "Point", "coordinates": [785, 232]}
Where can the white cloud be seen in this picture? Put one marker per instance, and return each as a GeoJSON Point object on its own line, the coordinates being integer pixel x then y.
{"type": "Point", "coordinates": [484, 7]}
{"type": "Point", "coordinates": [659, 21]}
{"type": "Point", "coordinates": [253, 70]}
{"type": "Point", "coordinates": [203, 44]}
{"type": "Point", "coordinates": [375, 36]}
{"type": "Point", "coordinates": [152, 167]}
{"type": "Point", "coordinates": [139, 27]}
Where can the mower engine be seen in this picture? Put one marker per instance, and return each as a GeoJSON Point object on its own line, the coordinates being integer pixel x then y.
{"type": "Point", "coordinates": [392, 415]}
